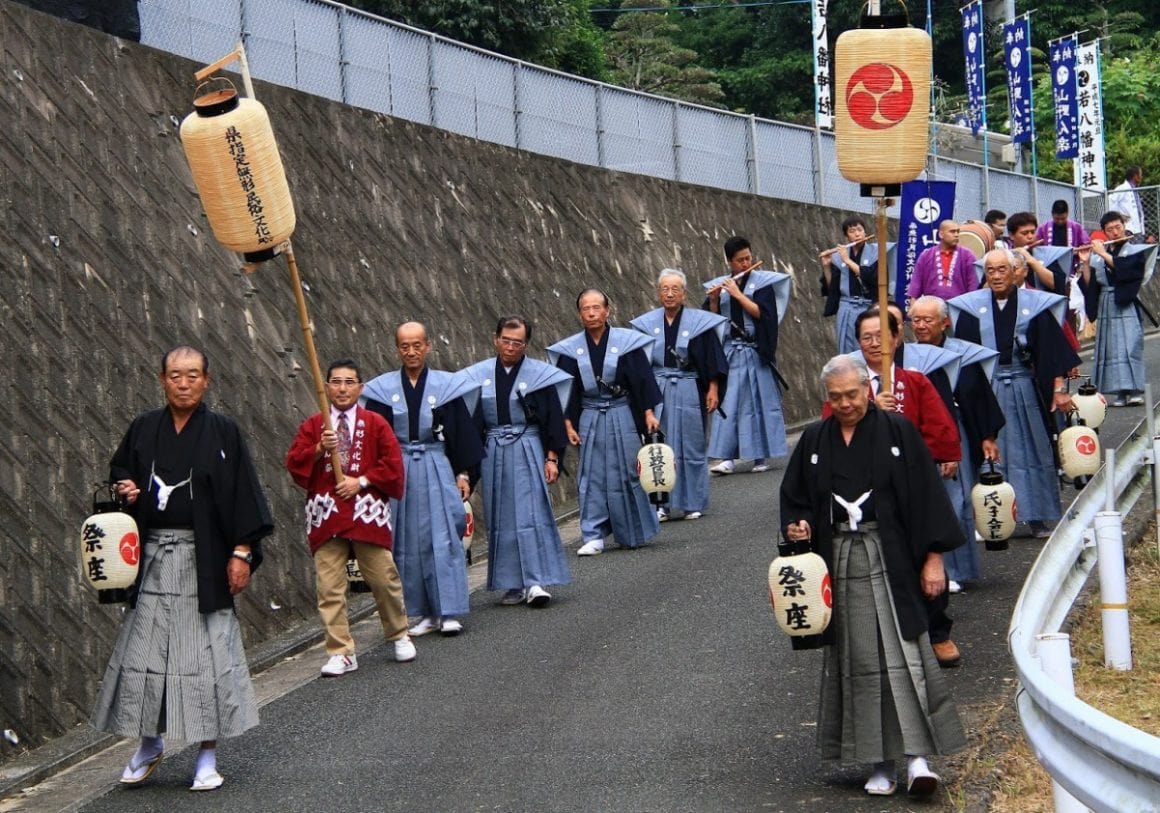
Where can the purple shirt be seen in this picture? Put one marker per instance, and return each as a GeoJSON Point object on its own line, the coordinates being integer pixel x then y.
{"type": "Point", "coordinates": [1076, 236]}
{"type": "Point", "coordinates": [928, 277]}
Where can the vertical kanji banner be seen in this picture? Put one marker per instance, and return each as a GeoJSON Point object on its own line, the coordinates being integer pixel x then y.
{"type": "Point", "coordinates": [1090, 170]}
{"type": "Point", "coordinates": [1017, 54]}
{"type": "Point", "coordinates": [1064, 96]}
{"type": "Point", "coordinates": [972, 15]}
{"type": "Point", "coordinates": [924, 205]}
{"type": "Point", "coordinates": [823, 107]}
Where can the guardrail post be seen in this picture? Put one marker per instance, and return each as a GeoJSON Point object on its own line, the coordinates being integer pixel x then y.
{"type": "Point", "coordinates": [1055, 657]}
{"type": "Point", "coordinates": [1113, 580]}
{"type": "Point", "coordinates": [1054, 651]}
{"type": "Point", "coordinates": [1149, 413]}
{"type": "Point", "coordinates": [676, 141]}
{"type": "Point", "coordinates": [751, 158]}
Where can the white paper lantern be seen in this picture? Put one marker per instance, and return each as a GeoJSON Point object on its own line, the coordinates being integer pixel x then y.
{"type": "Point", "coordinates": [1090, 404]}
{"type": "Point", "coordinates": [657, 469]}
{"type": "Point", "coordinates": [468, 528]}
{"type": "Point", "coordinates": [801, 594]}
{"type": "Point", "coordinates": [993, 500]}
{"type": "Point", "coordinates": [1079, 452]}
{"type": "Point", "coordinates": [110, 552]}
{"type": "Point", "coordinates": [354, 577]}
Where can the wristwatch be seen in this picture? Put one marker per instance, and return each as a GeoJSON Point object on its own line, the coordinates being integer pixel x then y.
{"type": "Point", "coordinates": [363, 482]}
{"type": "Point", "coordinates": [245, 555]}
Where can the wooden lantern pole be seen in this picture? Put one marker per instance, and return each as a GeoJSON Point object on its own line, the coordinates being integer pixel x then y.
{"type": "Point", "coordinates": [880, 204]}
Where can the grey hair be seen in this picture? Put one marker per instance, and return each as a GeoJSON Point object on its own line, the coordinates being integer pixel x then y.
{"type": "Point", "coordinates": [842, 364]}
{"type": "Point", "coordinates": [673, 272]}
{"type": "Point", "coordinates": [944, 310]}
{"type": "Point", "coordinates": [1012, 258]}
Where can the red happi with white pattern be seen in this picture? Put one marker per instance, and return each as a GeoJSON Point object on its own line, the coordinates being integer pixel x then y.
{"type": "Point", "coordinates": [374, 454]}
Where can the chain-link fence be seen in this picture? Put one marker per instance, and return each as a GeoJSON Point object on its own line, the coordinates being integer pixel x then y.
{"type": "Point", "coordinates": [347, 55]}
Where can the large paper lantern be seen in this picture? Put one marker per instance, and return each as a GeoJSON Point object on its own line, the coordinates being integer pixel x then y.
{"type": "Point", "coordinates": [993, 500]}
{"type": "Point", "coordinates": [1090, 404]}
{"type": "Point", "coordinates": [656, 466]}
{"type": "Point", "coordinates": [1079, 452]}
{"type": "Point", "coordinates": [882, 101]}
{"type": "Point", "coordinates": [801, 594]}
{"type": "Point", "coordinates": [235, 163]}
{"type": "Point", "coordinates": [110, 550]}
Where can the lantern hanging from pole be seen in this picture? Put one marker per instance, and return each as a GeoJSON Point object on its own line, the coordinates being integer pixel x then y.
{"type": "Point", "coordinates": [468, 529]}
{"type": "Point", "coordinates": [993, 501]}
{"type": "Point", "coordinates": [882, 101]}
{"type": "Point", "coordinates": [1090, 404]}
{"type": "Point", "coordinates": [234, 158]}
{"type": "Point", "coordinates": [110, 549]}
{"type": "Point", "coordinates": [800, 590]}
{"type": "Point", "coordinates": [1079, 451]}
{"type": "Point", "coordinates": [657, 469]}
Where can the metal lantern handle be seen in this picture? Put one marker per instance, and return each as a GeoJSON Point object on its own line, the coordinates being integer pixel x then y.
{"type": "Point", "coordinates": [211, 84]}
{"type": "Point", "coordinates": [866, 7]}
{"type": "Point", "coordinates": [655, 437]}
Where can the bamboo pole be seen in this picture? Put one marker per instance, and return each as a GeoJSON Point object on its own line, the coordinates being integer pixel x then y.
{"type": "Point", "coordinates": [887, 385]}
{"type": "Point", "coordinates": [312, 355]}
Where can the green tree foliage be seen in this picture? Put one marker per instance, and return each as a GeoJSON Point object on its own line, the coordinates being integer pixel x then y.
{"type": "Point", "coordinates": [643, 55]}
{"type": "Point", "coordinates": [556, 33]}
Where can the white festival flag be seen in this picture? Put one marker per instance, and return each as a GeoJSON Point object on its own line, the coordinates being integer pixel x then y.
{"type": "Point", "coordinates": [1090, 172]}
{"type": "Point", "coordinates": [823, 107]}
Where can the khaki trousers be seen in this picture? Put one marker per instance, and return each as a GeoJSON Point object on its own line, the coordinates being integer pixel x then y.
{"type": "Point", "coordinates": [378, 569]}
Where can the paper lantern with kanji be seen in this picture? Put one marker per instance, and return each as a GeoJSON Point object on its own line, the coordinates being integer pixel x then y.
{"type": "Point", "coordinates": [354, 577]}
{"type": "Point", "coordinates": [993, 501]}
{"type": "Point", "coordinates": [110, 551]}
{"type": "Point", "coordinates": [656, 466]}
{"type": "Point", "coordinates": [230, 146]}
{"type": "Point", "coordinates": [801, 594]}
{"type": "Point", "coordinates": [882, 101]}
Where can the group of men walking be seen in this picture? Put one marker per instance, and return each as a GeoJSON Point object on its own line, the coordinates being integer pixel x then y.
{"type": "Point", "coordinates": [388, 469]}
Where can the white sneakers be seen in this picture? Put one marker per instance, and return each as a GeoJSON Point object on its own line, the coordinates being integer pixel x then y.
{"type": "Point", "coordinates": [450, 627]}
{"type": "Point", "coordinates": [694, 515]}
{"type": "Point", "coordinates": [722, 467]}
{"type": "Point", "coordinates": [424, 627]}
{"type": "Point", "coordinates": [759, 466]}
{"type": "Point", "coordinates": [591, 547]}
{"type": "Point", "coordinates": [538, 596]}
{"type": "Point", "coordinates": [662, 515]}
{"type": "Point", "coordinates": [954, 587]}
{"type": "Point", "coordinates": [339, 665]}
{"type": "Point", "coordinates": [512, 598]}
{"type": "Point", "coordinates": [404, 650]}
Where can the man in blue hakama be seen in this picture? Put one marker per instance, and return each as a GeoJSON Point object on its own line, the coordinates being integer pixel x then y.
{"type": "Point", "coordinates": [1111, 278]}
{"type": "Point", "coordinates": [430, 413]}
{"type": "Point", "coordinates": [850, 282]}
{"type": "Point", "coordinates": [689, 363]}
{"type": "Point", "coordinates": [612, 402]}
{"type": "Point", "coordinates": [521, 413]}
{"type": "Point", "coordinates": [750, 424]}
{"type": "Point", "coordinates": [974, 406]}
{"type": "Point", "coordinates": [1025, 327]}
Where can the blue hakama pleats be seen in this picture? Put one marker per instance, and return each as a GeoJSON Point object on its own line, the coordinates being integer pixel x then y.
{"type": "Point", "coordinates": [755, 426]}
{"type": "Point", "coordinates": [683, 423]}
{"type": "Point", "coordinates": [962, 564]}
{"type": "Point", "coordinates": [1028, 462]}
{"type": "Point", "coordinates": [1119, 353]}
{"type": "Point", "coordinates": [611, 499]}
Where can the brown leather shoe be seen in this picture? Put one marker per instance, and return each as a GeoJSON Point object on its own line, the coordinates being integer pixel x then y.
{"type": "Point", "coordinates": [947, 653]}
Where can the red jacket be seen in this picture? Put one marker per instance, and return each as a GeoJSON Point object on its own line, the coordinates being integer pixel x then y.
{"type": "Point", "coordinates": [374, 454]}
{"type": "Point", "coordinates": [918, 400]}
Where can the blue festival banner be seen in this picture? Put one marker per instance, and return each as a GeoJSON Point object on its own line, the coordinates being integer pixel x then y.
{"type": "Point", "coordinates": [924, 205]}
{"type": "Point", "coordinates": [975, 76]}
{"type": "Point", "coordinates": [1065, 96]}
{"type": "Point", "coordinates": [1017, 53]}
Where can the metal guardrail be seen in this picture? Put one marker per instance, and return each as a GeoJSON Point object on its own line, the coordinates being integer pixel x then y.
{"type": "Point", "coordinates": [331, 50]}
{"type": "Point", "coordinates": [1102, 762]}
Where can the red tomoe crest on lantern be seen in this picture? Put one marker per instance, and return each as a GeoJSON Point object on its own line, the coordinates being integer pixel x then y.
{"type": "Point", "coordinates": [879, 96]}
{"type": "Point", "coordinates": [1086, 445]}
{"type": "Point", "coordinates": [130, 549]}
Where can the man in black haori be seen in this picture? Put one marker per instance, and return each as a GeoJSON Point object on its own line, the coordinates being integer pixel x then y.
{"type": "Point", "coordinates": [178, 666]}
{"type": "Point", "coordinates": [861, 485]}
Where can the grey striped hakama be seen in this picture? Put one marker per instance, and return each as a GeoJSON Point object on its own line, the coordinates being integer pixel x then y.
{"type": "Point", "coordinates": [174, 670]}
{"type": "Point", "coordinates": [882, 696]}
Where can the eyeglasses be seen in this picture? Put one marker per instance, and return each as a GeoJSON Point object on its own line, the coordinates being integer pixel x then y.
{"type": "Point", "coordinates": [875, 339]}
{"type": "Point", "coordinates": [671, 289]}
{"type": "Point", "coordinates": [344, 382]}
{"type": "Point", "coordinates": [506, 342]}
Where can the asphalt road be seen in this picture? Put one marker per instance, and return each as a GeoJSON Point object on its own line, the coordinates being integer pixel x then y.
{"type": "Point", "coordinates": [657, 681]}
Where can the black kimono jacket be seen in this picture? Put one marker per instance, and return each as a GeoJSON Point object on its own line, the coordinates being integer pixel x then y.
{"type": "Point", "coordinates": [914, 513]}
{"type": "Point", "coordinates": [229, 507]}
